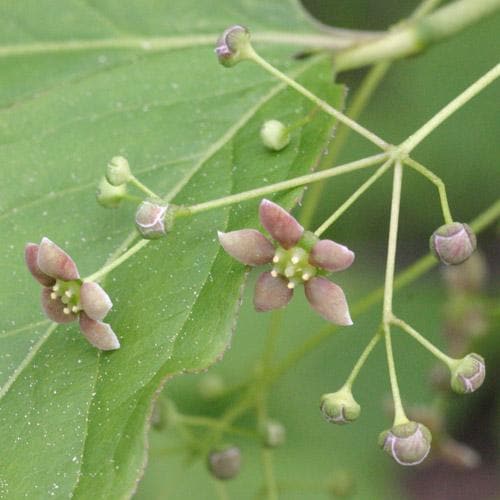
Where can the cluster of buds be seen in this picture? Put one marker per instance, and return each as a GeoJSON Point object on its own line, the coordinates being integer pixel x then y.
{"type": "Point", "coordinates": [299, 257]}
{"type": "Point", "coordinates": [66, 297]}
{"type": "Point", "coordinates": [112, 188]}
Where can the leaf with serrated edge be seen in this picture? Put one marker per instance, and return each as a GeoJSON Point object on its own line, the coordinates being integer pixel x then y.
{"type": "Point", "coordinates": [74, 421]}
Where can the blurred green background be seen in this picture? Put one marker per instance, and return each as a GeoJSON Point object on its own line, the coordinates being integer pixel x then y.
{"type": "Point", "coordinates": [464, 152]}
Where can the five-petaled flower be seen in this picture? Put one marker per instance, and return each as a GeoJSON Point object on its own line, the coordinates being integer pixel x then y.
{"type": "Point", "coordinates": [299, 257]}
{"type": "Point", "coordinates": [66, 297]}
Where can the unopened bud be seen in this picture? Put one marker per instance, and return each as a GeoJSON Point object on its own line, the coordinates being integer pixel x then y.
{"type": "Point", "coordinates": [233, 45]}
{"type": "Point", "coordinates": [110, 196]}
{"type": "Point", "coordinates": [274, 135]}
{"type": "Point", "coordinates": [273, 434]}
{"type": "Point", "coordinates": [118, 171]}
{"type": "Point", "coordinates": [453, 243]}
{"type": "Point", "coordinates": [154, 218]}
{"type": "Point", "coordinates": [211, 386]}
{"type": "Point", "coordinates": [408, 444]}
{"type": "Point", "coordinates": [225, 463]}
{"type": "Point", "coordinates": [468, 374]}
{"type": "Point", "coordinates": [340, 407]}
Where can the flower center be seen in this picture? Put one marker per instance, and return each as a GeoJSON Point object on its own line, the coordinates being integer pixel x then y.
{"type": "Point", "coordinates": [68, 292]}
{"type": "Point", "coordinates": [293, 264]}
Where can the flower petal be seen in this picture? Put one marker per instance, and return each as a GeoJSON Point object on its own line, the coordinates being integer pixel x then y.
{"type": "Point", "coordinates": [271, 293]}
{"type": "Point", "coordinates": [99, 334]}
{"type": "Point", "coordinates": [31, 258]}
{"type": "Point", "coordinates": [55, 262]}
{"type": "Point", "coordinates": [328, 299]}
{"type": "Point", "coordinates": [248, 246]}
{"type": "Point", "coordinates": [330, 255]}
{"type": "Point", "coordinates": [94, 300]}
{"type": "Point", "coordinates": [54, 308]}
{"type": "Point", "coordinates": [282, 226]}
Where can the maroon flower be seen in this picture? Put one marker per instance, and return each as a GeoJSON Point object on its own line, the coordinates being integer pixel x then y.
{"type": "Point", "coordinates": [65, 297]}
{"type": "Point", "coordinates": [299, 257]}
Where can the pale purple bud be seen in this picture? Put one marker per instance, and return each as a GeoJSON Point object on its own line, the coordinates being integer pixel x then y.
{"type": "Point", "coordinates": [271, 293]}
{"type": "Point", "coordinates": [331, 256]}
{"type": "Point", "coordinates": [154, 219]}
{"type": "Point", "coordinates": [248, 246]}
{"type": "Point", "coordinates": [453, 243]}
{"type": "Point", "coordinates": [99, 334]}
{"type": "Point", "coordinates": [55, 262]}
{"type": "Point", "coordinates": [328, 299]}
{"type": "Point", "coordinates": [468, 374]}
{"type": "Point", "coordinates": [31, 258]}
{"type": "Point", "coordinates": [225, 463]}
{"type": "Point", "coordinates": [233, 45]}
{"type": "Point", "coordinates": [408, 444]}
{"type": "Point", "coordinates": [55, 309]}
{"type": "Point", "coordinates": [282, 226]}
{"type": "Point", "coordinates": [94, 300]}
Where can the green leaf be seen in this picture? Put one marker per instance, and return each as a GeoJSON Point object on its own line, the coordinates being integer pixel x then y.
{"type": "Point", "coordinates": [78, 89]}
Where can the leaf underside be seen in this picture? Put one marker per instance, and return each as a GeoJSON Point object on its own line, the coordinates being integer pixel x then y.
{"type": "Point", "coordinates": [73, 422]}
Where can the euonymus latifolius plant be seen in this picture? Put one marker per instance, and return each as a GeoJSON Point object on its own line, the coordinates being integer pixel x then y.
{"type": "Point", "coordinates": [291, 255]}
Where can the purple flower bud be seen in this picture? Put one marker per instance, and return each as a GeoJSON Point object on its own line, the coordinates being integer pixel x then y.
{"type": "Point", "coordinates": [340, 407]}
{"type": "Point", "coordinates": [233, 45]}
{"type": "Point", "coordinates": [468, 374]}
{"type": "Point", "coordinates": [331, 256]}
{"type": "Point", "coordinates": [274, 135]}
{"type": "Point", "coordinates": [31, 258]}
{"type": "Point", "coordinates": [225, 463]}
{"type": "Point", "coordinates": [99, 334]}
{"type": "Point", "coordinates": [271, 293]}
{"type": "Point", "coordinates": [55, 262]}
{"type": "Point", "coordinates": [453, 243]}
{"type": "Point", "coordinates": [248, 246]}
{"type": "Point", "coordinates": [55, 309]}
{"type": "Point", "coordinates": [282, 226]}
{"type": "Point", "coordinates": [408, 444]}
{"type": "Point", "coordinates": [154, 219]}
{"type": "Point", "coordinates": [328, 299]}
{"type": "Point", "coordinates": [459, 454]}
{"type": "Point", "coordinates": [94, 300]}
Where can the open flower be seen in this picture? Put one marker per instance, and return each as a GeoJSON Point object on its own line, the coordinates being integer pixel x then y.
{"type": "Point", "coordinates": [66, 298]}
{"type": "Point", "coordinates": [299, 257]}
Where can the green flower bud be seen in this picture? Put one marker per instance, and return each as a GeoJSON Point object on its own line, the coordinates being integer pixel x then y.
{"type": "Point", "coordinates": [408, 444]}
{"type": "Point", "coordinates": [453, 243]}
{"type": "Point", "coordinates": [118, 171]}
{"type": "Point", "coordinates": [211, 386]}
{"type": "Point", "coordinates": [154, 218]}
{"type": "Point", "coordinates": [274, 135]}
{"type": "Point", "coordinates": [110, 196]}
{"type": "Point", "coordinates": [224, 463]}
{"type": "Point", "coordinates": [468, 374]}
{"type": "Point", "coordinates": [340, 407]}
{"type": "Point", "coordinates": [273, 434]}
{"type": "Point", "coordinates": [233, 46]}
